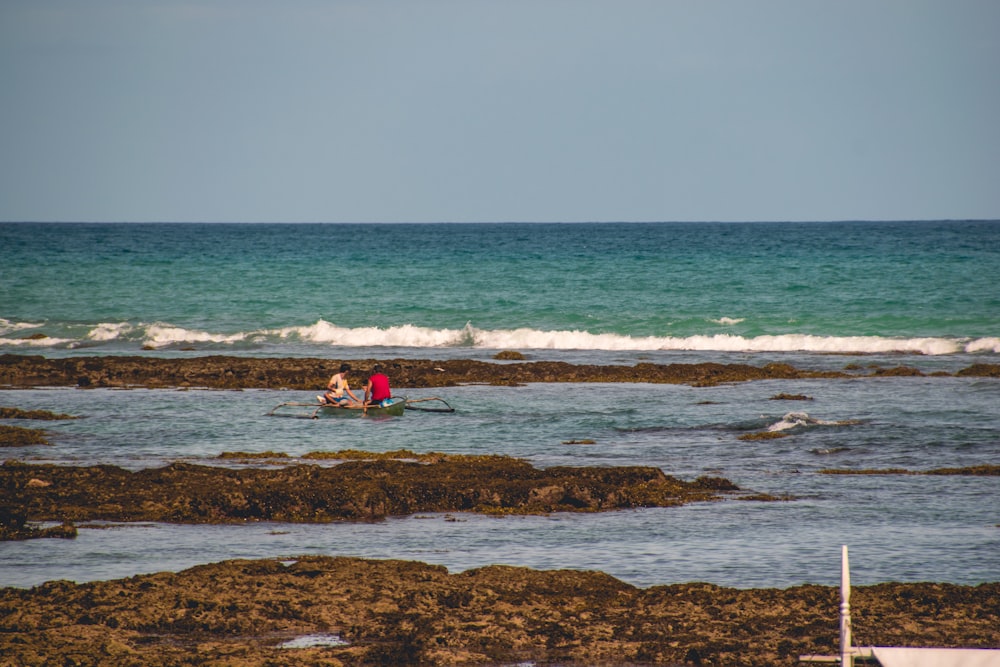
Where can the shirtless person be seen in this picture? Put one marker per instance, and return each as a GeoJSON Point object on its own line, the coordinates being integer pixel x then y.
{"type": "Point", "coordinates": [338, 392]}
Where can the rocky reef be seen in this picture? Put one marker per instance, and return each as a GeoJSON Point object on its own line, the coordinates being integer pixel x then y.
{"type": "Point", "coordinates": [354, 490]}
{"type": "Point", "coordinates": [17, 436]}
{"type": "Point", "coordinates": [224, 372]}
{"type": "Point", "coordinates": [14, 525]}
{"type": "Point", "coordinates": [347, 611]}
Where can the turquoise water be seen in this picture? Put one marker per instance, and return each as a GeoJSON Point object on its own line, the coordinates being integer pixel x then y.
{"type": "Point", "coordinates": [921, 287]}
{"type": "Point", "coordinates": [815, 295]}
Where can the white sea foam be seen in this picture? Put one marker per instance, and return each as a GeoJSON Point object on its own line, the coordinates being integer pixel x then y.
{"type": "Point", "coordinates": [407, 335]}
{"type": "Point", "coordinates": [984, 345]}
{"type": "Point", "coordinates": [314, 641]}
{"type": "Point", "coordinates": [727, 321]}
{"type": "Point", "coordinates": [791, 420]}
{"type": "Point", "coordinates": [812, 343]}
{"type": "Point", "coordinates": [561, 340]}
{"type": "Point", "coordinates": [530, 338]}
{"type": "Point", "coordinates": [795, 419]}
{"type": "Point", "coordinates": [162, 335]}
{"type": "Point", "coordinates": [6, 326]}
{"type": "Point", "coordinates": [108, 331]}
{"type": "Point", "coordinates": [324, 333]}
{"type": "Point", "coordinates": [48, 341]}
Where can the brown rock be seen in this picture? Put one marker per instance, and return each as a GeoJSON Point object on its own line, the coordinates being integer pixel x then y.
{"type": "Point", "coordinates": [220, 372]}
{"type": "Point", "coordinates": [405, 613]}
{"type": "Point", "coordinates": [13, 525]}
{"type": "Point", "coordinates": [980, 370]}
{"type": "Point", "coordinates": [763, 435]}
{"type": "Point", "coordinates": [16, 436]}
{"type": "Point", "coordinates": [17, 413]}
{"type": "Point", "coordinates": [356, 490]}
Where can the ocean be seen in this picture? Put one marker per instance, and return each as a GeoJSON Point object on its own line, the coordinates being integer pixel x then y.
{"type": "Point", "coordinates": [861, 295]}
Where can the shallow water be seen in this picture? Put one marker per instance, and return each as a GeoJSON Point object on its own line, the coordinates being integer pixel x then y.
{"type": "Point", "coordinates": [816, 296]}
{"type": "Point", "coordinates": [899, 527]}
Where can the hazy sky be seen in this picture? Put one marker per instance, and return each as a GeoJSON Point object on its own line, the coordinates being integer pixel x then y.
{"type": "Point", "coordinates": [499, 110]}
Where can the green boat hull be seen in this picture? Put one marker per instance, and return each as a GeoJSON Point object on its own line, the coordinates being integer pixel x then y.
{"type": "Point", "coordinates": [394, 409]}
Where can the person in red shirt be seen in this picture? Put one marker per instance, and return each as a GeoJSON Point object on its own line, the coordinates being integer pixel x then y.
{"type": "Point", "coordinates": [377, 389]}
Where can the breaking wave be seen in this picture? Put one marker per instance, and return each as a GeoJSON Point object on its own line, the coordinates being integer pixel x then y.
{"type": "Point", "coordinates": [160, 335]}
{"type": "Point", "coordinates": [800, 419]}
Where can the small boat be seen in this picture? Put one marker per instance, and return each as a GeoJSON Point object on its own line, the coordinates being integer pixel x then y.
{"type": "Point", "coordinates": [394, 407]}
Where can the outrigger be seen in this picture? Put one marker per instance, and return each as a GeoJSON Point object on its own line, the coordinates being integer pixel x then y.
{"type": "Point", "coordinates": [394, 407]}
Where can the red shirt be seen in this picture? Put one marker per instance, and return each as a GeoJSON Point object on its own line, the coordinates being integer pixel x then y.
{"type": "Point", "coordinates": [380, 387]}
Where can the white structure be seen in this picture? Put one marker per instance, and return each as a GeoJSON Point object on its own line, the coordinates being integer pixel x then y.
{"type": "Point", "coordinates": [894, 656]}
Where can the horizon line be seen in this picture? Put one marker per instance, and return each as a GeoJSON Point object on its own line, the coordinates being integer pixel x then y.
{"type": "Point", "coordinates": [486, 222]}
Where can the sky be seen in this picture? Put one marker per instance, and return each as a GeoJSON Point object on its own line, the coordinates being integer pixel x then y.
{"type": "Point", "coordinates": [499, 110]}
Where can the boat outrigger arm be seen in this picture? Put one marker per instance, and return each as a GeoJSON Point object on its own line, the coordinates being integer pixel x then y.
{"type": "Point", "coordinates": [446, 408]}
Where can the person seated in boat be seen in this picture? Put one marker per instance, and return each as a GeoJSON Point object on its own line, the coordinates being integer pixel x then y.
{"type": "Point", "coordinates": [377, 391]}
{"type": "Point", "coordinates": [338, 391]}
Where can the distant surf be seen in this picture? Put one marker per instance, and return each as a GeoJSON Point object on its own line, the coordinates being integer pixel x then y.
{"type": "Point", "coordinates": [324, 334]}
{"type": "Point", "coordinates": [592, 292]}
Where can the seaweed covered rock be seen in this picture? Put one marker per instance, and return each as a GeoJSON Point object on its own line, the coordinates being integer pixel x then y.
{"type": "Point", "coordinates": [222, 372]}
{"type": "Point", "coordinates": [353, 490]}
{"type": "Point", "coordinates": [17, 436]}
{"type": "Point", "coordinates": [14, 526]}
{"type": "Point", "coordinates": [225, 372]}
{"type": "Point", "coordinates": [406, 613]}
